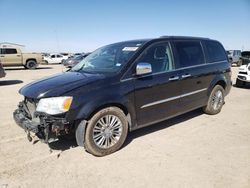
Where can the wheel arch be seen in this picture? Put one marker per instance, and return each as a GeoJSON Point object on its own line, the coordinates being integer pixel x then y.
{"type": "Point", "coordinates": [219, 80]}
{"type": "Point", "coordinates": [30, 59]}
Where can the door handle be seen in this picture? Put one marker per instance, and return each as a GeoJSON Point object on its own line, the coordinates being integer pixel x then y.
{"type": "Point", "coordinates": [173, 78]}
{"type": "Point", "coordinates": [186, 75]}
{"type": "Point", "coordinates": [2, 56]}
{"type": "Point", "coordinates": [18, 55]}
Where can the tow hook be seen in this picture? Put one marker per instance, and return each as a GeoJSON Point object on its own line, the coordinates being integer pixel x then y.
{"type": "Point", "coordinates": [29, 137]}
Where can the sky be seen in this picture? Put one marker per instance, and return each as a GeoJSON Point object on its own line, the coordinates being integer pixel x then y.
{"type": "Point", "coordinates": [83, 26]}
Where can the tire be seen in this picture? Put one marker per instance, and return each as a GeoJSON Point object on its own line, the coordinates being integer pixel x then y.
{"type": "Point", "coordinates": [215, 101]}
{"type": "Point", "coordinates": [31, 64]}
{"type": "Point", "coordinates": [106, 131]}
{"type": "Point", "coordinates": [240, 83]}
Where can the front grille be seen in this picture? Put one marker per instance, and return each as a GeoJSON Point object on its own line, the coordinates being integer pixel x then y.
{"type": "Point", "coordinates": [243, 73]}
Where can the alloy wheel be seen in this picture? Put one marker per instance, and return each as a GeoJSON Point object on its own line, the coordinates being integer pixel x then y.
{"type": "Point", "coordinates": [107, 131]}
{"type": "Point", "coordinates": [217, 100]}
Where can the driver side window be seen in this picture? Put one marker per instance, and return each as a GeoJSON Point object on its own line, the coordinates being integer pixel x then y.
{"type": "Point", "coordinates": [159, 56]}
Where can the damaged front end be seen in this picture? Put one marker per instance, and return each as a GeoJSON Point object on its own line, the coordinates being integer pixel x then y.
{"type": "Point", "coordinates": [46, 127]}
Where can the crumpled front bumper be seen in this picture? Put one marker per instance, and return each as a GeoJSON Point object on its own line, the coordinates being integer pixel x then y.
{"type": "Point", "coordinates": [47, 128]}
{"type": "Point", "coordinates": [24, 122]}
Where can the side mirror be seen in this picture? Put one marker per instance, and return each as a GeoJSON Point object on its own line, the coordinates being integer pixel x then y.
{"type": "Point", "coordinates": [143, 68]}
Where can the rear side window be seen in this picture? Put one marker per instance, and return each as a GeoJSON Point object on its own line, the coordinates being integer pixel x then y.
{"type": "Point", "coordinates": [215, 51]}
{"type": "Point", "coordinates": [9, 51]}
{"type": "Point", "coordinates": [190, 53]}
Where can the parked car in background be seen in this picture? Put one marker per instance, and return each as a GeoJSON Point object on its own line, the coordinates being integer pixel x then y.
{"type": "Point", "coordinates": [71, 62]}
{"type": "Point", "coordinates": [126, 86]}
{"type": "Point", "coordinates": [15, 57]}
{"type": "Point", "coordinates": [75, 54]}
{"type": "Point", "coordinates": [234, 57]}
{"type": "Point", "coordinates": [54, 59]}
{"type": "Point", "coordinates": [65, 54]}
{"type": "Point", "coordinates": [245, 57]}
{"type": "Point", "coordinates": [243, 76]}
{"type": "Point", "coordinates": [2, 72]}
{"type": "Point", "coordinates": [45, 54]}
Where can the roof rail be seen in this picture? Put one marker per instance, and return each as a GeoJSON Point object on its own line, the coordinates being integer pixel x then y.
{"type": "Point", "coordinates": [182, 37]}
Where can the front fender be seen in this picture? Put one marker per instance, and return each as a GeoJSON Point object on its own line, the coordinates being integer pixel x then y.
{"type": "Point", "coordinates": [88, 109]}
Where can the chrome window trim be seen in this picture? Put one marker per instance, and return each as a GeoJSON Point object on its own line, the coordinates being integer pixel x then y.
{"type": "Point", "coordinates": [223, 61]}
{"type": "Point", "coordinates": [173, 98]}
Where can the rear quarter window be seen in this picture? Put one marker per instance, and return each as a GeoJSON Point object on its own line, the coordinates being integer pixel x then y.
{"type": "Point", "coordinates": [215, 51]}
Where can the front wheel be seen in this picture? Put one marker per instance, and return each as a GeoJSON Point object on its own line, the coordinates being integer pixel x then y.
{"type": "Point", "coordinates": [215, 101]}
{"type": "Point", "coordinates": [106, 131]}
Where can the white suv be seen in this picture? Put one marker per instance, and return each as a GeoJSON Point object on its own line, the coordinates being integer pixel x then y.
{"type": "Point", "coordinates": [54, 58]}
{"type": "Point", "coordinates": [243, 75]}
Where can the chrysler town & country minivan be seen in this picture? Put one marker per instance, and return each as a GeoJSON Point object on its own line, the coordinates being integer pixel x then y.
{"type": "Point", "coordinates": [125, 86]}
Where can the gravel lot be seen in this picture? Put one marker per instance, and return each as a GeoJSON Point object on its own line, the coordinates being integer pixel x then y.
{"type": "Point", "coordinates": [193, 150]}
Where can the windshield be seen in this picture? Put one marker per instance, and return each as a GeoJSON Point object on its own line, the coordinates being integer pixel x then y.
{"type": "Point", "coordinates": [108, 59]}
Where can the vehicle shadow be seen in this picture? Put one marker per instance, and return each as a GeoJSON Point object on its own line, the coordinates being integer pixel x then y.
{"type": "Point", "coordinates": [66, 143]}
{"type": "Point", "coordinates": [247, 86]}
{"type": "Point", "coordinates": [10, 82]}
{"type": "Point", "coordinates": [22, 68]}
{"type": "Point", "coordinates": [162, 125]}
{"type": "Point", "coordinates": [63, 144]}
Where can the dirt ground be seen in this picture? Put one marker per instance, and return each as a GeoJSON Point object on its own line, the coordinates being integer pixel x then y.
{"type": "Point", "coordinates": [193, 150]}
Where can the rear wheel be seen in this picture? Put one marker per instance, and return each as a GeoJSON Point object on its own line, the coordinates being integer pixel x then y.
{"type": "Point", "coordinates": [106, 131]}
{"type": "Point", "coordinates": [215, 101]}
{"type": "Point", "coordinates": [31, 64]}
